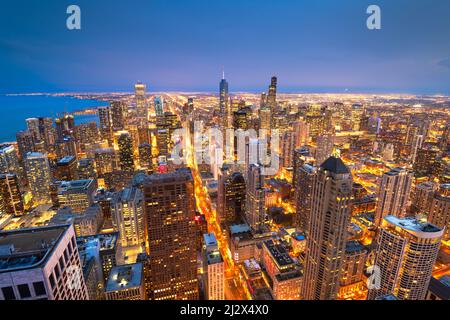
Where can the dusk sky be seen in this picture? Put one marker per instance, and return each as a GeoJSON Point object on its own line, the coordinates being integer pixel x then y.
{"type": "Point", "coordinates": [182, 45]}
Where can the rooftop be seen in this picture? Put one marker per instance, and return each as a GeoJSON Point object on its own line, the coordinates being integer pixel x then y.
{"type": "Point", "coordinates": [66, 160]}
{"type": "Point", "coordinates": [28, 248]}
{"type": "Point", "coordinates": [335, 165]}
{"type": "Point", "coordinates": [106, 241]}
{"type": "Point", "coordinates": [414, 226]}
{"type": "Point", "coordinates": [124, 277]}
{"type": "Point", "coordinates": [279, 253]}
{"type": "Point", "coordinates": [75, 185]}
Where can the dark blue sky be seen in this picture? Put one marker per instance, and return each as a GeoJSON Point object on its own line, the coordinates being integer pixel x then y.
{"type": "Point", "coordinates": [183, 44]}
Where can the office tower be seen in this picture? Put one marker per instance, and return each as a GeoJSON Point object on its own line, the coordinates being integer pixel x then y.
{"type": "Point", "coordinates": [129, 218]}
{"type": "Point", "coordinates": [92, 270]}
{"type": "Point", "coordinates": [285, 279]}
{"type": "Point", "coordinates": [439, 213]}
{"type": "Point", "coordinates": [145, 155]}
{"type": "Point", "coordinates": [78, 194]}
{"type": "Point", "coordinates": [329, 220]}
{"type": "Point", "coordinates": [213, 268]}
{"type": "Point", "coordinates": [105, 160]}
{"type": "Point", "coordinates": [265, 118]}
{"type": "Point", "coordinates": [301, 130]}
{"type": "Point", "coordinates": [119, 113]}
{"type": "Point", "coordinates": [11, 201]}
{"type": "Point", "coordinates": [41, 263]}
{"type": "Point", "coordinates": [287, 146]}
{"type": "Point", "coordinates": [126, 152]}
{"type": "Point", "coordinates": [301, 156]}
{"type": "Point", "coordinates": [104, 116]}
{"type": "Point", "coordinates": [159, 106]}
{"type": "Point", "coordinates": [42, 130]}
{"type": "Point", "coordinates": [423, 196]}
{"type": "Point", "coordinates": [163, 142]}
{"type": "Point", "coordinates": [303, 186]}
{"type": "Point", "coordinates": [87, 223]}
{"type": "Point", "coordinates": [66, 147]}
{"type": "Point", "coordinates": [9, 162]}
{"type": "Point", "coordinates": [416, 145]}
{"type": "Point", "coordinates": [170, 210]}
{"type": "Point", "coordinates": [86, 169]}
{"type": "Point", "coordinates": [352, 275]}
{"type": "Point", "coordinates": [393, 194]}
{"type": "Point", "coordinates": [255, 209]}
{"type": "Point", "coordinates": [126, 282]}
{"type": "Point", "coordinates": [240, 119]}
{"type": "Point", "coordinates": [38, 175]}
{"type": "Point", "coordinates": [141, 101]}
{"type": "Point", "coordinates": [66, 169]}
{"type": "Point", "coordinates": [427, 161]}
{"type": "Point", "coordinates": [231, 195]}
{"type": "Point", "coordinates": [64, 126]}
{"type": "Point", "coordinates": [325, 148]}
{"type": "Point", "coordinates": [357, 113]}
{"type": "Point", "coordinates": [107, 248]}
{"type": "Point", "coordinates": [272, 96]}
{"type": "Point", "coordinates": [407, 249]}
{"type": "Point", "coordinates": [86, 134]}
{"type": "Point", "coordinates": [25, 143]}
{"type": "Point", "coordinates": [223, 97]}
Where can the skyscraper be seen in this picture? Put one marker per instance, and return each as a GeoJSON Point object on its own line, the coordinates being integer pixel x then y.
{"type": "Point", "coordinates": [231, 195]}
{"type": "Point", "coordinates": [329, 219]}
{"type": "Point", "coordinates": [393, 194]}
{"type": "Point", "coordinates": [303, 186]}
{"type": "Point", "coordinates": [214, 268]}
{"type": "Point", "coordinates": [119, 113]}
{"type": "Point", "coordinates": [406, 252]}
{"type": "Point", "coordinates": [104, 116]}
{"type": "Point", "coordinates": [170, 211]}
{"type": "Point", "coordinates": [129, 217]}
{"type": "Point", "coordinates": [159, 106]}
{"type": "Point", "coordinates": [141, 101]}
{"type": "Point", "coordinates": [38, 175]}
{"type": "Point", "coordinates": [11, 201]}
{"type": "Point", "coordinates": [255, 209]}
{"type": "Point", "coordinates": [224, 103]}
{"type": "Point", "coordinates": [126, 152]}
{"type": "Point", "coordinates": [25, 143]}
{"type": "Point", "coordinates": [272, 96]}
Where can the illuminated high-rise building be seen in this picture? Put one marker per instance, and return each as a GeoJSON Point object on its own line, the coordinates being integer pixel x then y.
{"type": "Point", "coordinates": [255, 208]}
{"type": "Point", "coordinates": [159, 106]}
{"type": "Point", "coordinates": [119, 113]}
{"type": "Point", "coordinates": [329, 220]}
{"type": "Point", "coordinates": [231, 195]}
{"type": "Point", "coordinates": [104, 116]}
{"type": "Point", "coordinates": [287, 147]}
{"type": "Point", "coordinates": [213, 268]}
{"type": "Point", "coordinates": [301, 130]}
{"type": "Point", "coordinates": [223, 98]}
{"type": "Point", "coordinates": [66, 169]}
{"type": "Point", "coordinates": [77, 194]}
{"type": "Point", "coordinates": [11, 200]}
{"type": "Point", "coordinates": [393, 194]}
{"type": "Point", "coordinates": [265, 118]}
{"type": "Point", "coordinates": [141, 101]}
{"type": "Point", "coordinates": [303, 186]}
{"type": "Point", "coordinates": [406, 252]}
{"type": "Point", "coordinates": [422, 196]}
{"type": "Point", "coordinates": [126, 152]}
{"type": "Point", "coordinates": [41, 264]}
{"type": "Point", "coordinates": [64, 126]}
{"type": "Point", "coordinates": [145, 155]}
{"type": "Point", "coordinates": [272, 96]}
{"type": "Point", "coordinates": [439, 213]}
{"type": "Point", "coordinates": [86, 169]}
{"type": "Point", "coordinates": [170, 211]}
{"type": "Point", "coordinates": [324, 148]}
{"type": "Point", "coordinates": [105, 160]}
{"type": "Point", "coordinates": [42, 130]}
{"type": "Point", "coordinates": [9, 161]}
{"type": "Point", "coordinates": [25, 143]}
{"type": "Point", "coordinates": [427, 161]}
{"type": "Point", "coordinates": [38, 175]}
{"type": "Point", "coordinates": [129, 218]}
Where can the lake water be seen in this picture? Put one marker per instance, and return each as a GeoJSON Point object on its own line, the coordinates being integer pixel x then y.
{"type": "Point", "coordinates": [15, 109]}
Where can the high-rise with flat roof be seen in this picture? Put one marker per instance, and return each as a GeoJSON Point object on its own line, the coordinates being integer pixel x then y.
{"type": "Point", "coordinates": [170, 210]}
{"type": "Point", "coordinates": [407, 249]}
{"type": "Point", "coordinates": [329, 220]}
{"type": "Point", "coordinates": [393, 194]}
{"type": "Point", "coordinates": [41, 264]}
{"type": "Point", "coordinates": [11, 200]}
{"type": "Point", "coordinates": [39, 177]}
{"type": "Point", "coordinates": [213, 268]}
{"type": "Point", "coordinates": [78, 194]}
